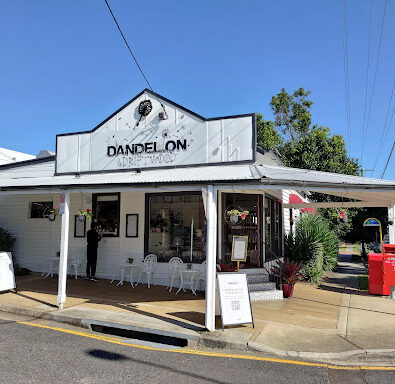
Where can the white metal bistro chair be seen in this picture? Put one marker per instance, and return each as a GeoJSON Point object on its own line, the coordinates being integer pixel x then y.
{"type": "Point", "coordinates": [175, 265]}
{"type": "Point", "coordinates": [76, 261]}
{"type": "Point", "coordinates": [149, 264]}
{"type": "Point", "coordinates": [201, 275]}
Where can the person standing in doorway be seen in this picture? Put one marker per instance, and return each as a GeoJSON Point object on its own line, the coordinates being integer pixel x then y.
{"type": "Point", "coordinates": [93, 239]}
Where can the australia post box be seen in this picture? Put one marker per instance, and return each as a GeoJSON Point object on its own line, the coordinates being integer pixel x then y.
{"type": "Point", "coordinates": [389, 264]}
{"type": "Point", "coordinates": [376, 275]}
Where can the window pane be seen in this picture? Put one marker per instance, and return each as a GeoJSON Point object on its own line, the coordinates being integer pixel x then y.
{"type": "Point", "coordinates": [176, 227]}
{"type": "Point", "coordinates": [106, 213]}
{"type": "Point", "coordinates": [40, 209]}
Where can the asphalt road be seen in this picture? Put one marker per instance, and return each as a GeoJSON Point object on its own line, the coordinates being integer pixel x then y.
{"type": "Point", "coordinates": [40, 355]}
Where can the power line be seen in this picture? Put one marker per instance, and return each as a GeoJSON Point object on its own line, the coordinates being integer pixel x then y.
{"type": "Point", "coordinates": [367, 79]}
{"type": "Point", "coordinates": [346, 77]}
{"type": "Point", "coordinates": [374, 77]}
{"type": "Point", "coordinates": [385, 128]}
{"type": "Point", "coordinates": [388, 160]}
{"type": "Point", "coordinates": [131, 53]}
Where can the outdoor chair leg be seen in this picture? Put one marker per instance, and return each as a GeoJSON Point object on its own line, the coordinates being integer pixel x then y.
{"type": "Point", "coordinates": [149, 279]}
{"type": "Point", "coordinates": [171, 283]}
{"type": "Point", "coordinates": [138, 280]}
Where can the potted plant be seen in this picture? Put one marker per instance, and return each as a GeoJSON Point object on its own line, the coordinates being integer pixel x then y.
{"type": "Point", "coordinates": [235, 215]}
{"type": "Point", "coordinates": [228, 267]}
{"type": "Point", "coordinates": [290, 273]}
{"type": "Point", "coordinates": [52, 213]}
{"type": "Point", "coordinates": [189, 266]}
{"type": "Point", "coordinates": [84, 214]}
{"type": "Point", "coordinates": [130, 260]}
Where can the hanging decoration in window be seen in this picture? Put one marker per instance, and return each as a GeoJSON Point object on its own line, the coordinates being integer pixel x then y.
{"type": "Point", "coordinates": [234, 215]}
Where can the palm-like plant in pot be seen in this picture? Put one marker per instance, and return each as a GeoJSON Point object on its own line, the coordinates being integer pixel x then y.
{"type": "Point", "coordinates": [290, 272]}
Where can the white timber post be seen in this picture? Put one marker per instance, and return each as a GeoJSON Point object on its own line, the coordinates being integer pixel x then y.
{"type": "Point", "coordinates": [211, 258]}
{"type": "Point", "coordinates": [64, 250]}
{"type": "Point", "coordinates": [391, 227]}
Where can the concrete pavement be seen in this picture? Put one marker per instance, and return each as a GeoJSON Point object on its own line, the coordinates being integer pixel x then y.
{"type": "Point", "coordinates": [333, 321]}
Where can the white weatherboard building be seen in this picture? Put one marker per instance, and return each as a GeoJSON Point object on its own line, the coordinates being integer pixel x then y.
{"type": "Point", "coordinates": [160, 179]}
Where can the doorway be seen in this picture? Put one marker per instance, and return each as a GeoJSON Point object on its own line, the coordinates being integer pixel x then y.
{"type": "Point", "coordinates": [242, 216]}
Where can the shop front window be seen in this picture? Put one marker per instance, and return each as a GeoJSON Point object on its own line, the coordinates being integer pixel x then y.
{"type": "Point", "coordinates": [106, 213]}
{"type": "Point", "coordinates": [176, 227]}
{"type": "Point", "coordinates": [40, 209]}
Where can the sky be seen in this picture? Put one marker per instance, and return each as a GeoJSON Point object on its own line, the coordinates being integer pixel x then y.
{"type": "Point", "coordinates": [64, 67]}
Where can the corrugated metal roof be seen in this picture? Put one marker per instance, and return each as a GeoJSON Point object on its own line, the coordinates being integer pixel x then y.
{"type": "Point", "coordinates": [276, 173]}
{"type": "Point", "coordinates": [292, 178]}
{"type": "Point", "coordinates": [245, 172]}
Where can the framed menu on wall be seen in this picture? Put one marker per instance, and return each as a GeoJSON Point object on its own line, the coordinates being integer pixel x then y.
{"type": "Point", "coordinates": [239, 248]}
{"type": "Point", "coordinates": [132, 225]}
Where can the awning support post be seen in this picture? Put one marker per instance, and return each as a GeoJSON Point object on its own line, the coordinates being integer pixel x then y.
{"type": "Point", "coordinates": [211, 258]}
{"type": "Point", "coordinates": [64, 250]}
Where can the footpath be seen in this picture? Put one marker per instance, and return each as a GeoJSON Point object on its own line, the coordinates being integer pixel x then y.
{"type": "Point", "coordinates": [333, 321]}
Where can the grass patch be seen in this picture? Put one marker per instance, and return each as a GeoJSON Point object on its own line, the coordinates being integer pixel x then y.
{"type": "Point", "coordinates": [363, 282]}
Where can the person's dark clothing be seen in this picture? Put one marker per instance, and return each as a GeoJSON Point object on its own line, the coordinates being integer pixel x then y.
{"type": "Point", "coordinates": [93, 239]}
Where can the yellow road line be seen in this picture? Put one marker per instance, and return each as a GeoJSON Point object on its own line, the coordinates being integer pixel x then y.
{"type": "Point", "coordinates": [212, 354]}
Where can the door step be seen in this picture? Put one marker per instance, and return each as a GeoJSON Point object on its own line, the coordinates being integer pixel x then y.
{"type": "Point", "coordinates": [261, 288]}
{"type": "Point", "coordinates": [266, 295]}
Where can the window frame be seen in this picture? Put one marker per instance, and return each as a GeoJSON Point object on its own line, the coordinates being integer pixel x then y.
{"type": "Point", "coordinates": [94, 213]}
{"type": "Point", "coordinates": [39, 202]}
{"type": "Point", "coordinates": [147, 214]}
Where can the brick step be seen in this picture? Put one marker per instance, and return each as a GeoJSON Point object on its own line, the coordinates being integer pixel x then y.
{"type": "Point", "coordinates": [257, 278]}
{"type": "Point", "coordinates": [253, 287]}
{"type": "Point", "coordinates": [266, 295]}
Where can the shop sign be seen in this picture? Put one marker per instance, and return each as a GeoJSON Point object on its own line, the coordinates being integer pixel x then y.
{"type": "Point", "coordinates": [234, 299]}
{"type": "Point", "coordinates": [7, 277]}
{"type": "Point", "coordinates": [139, 138]}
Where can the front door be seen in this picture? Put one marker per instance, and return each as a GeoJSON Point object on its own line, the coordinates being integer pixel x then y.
{"type": "Point", "coordinates": [242, 216]}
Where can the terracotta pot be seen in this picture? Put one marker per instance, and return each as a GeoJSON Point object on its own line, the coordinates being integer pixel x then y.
{"type": "Point", "coordinates": [288, 290]}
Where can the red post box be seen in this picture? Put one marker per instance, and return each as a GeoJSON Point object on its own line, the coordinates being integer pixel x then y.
{"type": "Point", "coordinates": [389, 264]}
{"type": "Point", "coordinates": [376, 275]}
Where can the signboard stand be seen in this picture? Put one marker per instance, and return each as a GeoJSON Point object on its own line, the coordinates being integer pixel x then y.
{"type": "Point", "coordinates": [234, 299]}
{"type": "Point", "coordinates": [7, 277]}
{"type": "Point", "coordinates": [239, 249]}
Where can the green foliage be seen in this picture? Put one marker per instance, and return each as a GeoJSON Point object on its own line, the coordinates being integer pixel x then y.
{"type": "Point", "coordinates": [314, 244]}
{"type": "Point", "coordinates": [267, 135]}
{"type": "Point", "coordinates": [318, 150]}
{"type": "Point", "coordinates": [292, 113]}
{"type": "Point", "coordinates": [6, 241]}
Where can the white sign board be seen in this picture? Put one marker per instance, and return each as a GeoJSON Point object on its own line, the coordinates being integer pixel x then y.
{"type": "Point", "coordinates": [126, 140]}
{"type": "Point", "coordinates": [234, 298]}
{"type": "Point", "coordinates": [7, 278]}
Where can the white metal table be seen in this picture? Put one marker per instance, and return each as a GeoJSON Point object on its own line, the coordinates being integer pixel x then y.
{"type": "Point", "coordinates": [187, 276]}
{"type": "Point", "coordinates": [126, 266]}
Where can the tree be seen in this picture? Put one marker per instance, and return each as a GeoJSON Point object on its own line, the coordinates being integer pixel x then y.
{"type": "Point", "coordinates": [292, 113]}
{"type": "Point", "coordinates": [300, 145]}
{"type": "Point", "coordinates": [267, 135]}
{"type": "Point", "coordinates": [318, 150]}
